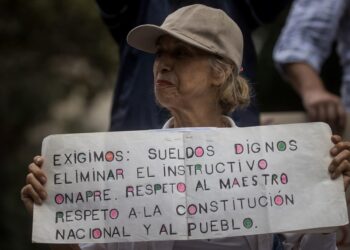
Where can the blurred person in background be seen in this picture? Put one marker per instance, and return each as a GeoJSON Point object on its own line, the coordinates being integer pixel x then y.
{"type": "Point", "coordinates": [133, 105]}
{"type": "Point", "coordinates": [305, 43]}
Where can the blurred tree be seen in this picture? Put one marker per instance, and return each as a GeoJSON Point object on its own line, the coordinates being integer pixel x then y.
{"type": "Point", "coordinates": [48, 50]}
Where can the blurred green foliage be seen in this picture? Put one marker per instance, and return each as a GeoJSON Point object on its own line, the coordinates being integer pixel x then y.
{"type": "Point", "coordinates": [48, 49]}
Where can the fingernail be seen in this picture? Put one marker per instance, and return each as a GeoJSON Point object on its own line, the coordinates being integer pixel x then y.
{"type": "Point", "coordinates": [36, 159]}
{"type": "Point", "coordinates": [43, 179]}
{"type": "Point", "coordinates": [333, 176]}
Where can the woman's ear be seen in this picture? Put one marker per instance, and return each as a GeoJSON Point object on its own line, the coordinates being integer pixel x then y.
{"type": "Point", "coordinates": [220, 76]}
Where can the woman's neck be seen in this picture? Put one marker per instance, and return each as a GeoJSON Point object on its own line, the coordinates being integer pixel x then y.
{"type": "Point", "coordinates": [199, 118]}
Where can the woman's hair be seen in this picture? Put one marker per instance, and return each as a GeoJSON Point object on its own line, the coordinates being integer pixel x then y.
{"type": "Point", "coordinates": [234, 92]}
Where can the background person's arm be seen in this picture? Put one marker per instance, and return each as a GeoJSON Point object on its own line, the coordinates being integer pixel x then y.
{"type": "Point", "coordinates": [319, 103]}
{"type": "Point", "coordinates": [303, 46]}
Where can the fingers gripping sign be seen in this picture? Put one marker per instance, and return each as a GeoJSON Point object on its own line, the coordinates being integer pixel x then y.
{"type": "Point", "coordinates": [340, 164]}
{"type": "Point", "coordinates": [34, 190]}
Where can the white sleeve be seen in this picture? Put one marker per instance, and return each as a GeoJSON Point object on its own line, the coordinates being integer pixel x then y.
{"type": "Point", "coordinates": [94, 246]}
{"type": "Point", "coordinates": [126, 245]}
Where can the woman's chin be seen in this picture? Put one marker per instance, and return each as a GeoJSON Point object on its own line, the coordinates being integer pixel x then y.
{"type": "Point", "coordinates": [167, 101]}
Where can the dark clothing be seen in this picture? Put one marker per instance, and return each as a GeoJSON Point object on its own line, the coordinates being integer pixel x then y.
{"type": "Point", "coordinates": [134, 105]}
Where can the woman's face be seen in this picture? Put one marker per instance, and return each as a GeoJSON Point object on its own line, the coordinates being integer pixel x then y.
{"type": "Point", "coordinates": [182, 75]}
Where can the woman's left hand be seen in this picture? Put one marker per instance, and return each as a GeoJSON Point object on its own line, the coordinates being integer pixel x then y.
{"type": "Point", "coordinates": [340, 164]}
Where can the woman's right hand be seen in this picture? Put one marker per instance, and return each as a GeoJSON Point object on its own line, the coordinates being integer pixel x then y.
{"type": "Point", "coordinates": [34, 191]}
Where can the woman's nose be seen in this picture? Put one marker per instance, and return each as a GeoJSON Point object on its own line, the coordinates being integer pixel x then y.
{"type": "Point", "coordinates": [165, 62]}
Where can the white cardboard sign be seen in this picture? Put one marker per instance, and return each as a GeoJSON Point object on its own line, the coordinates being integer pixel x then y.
{"type": "Point", "coordinates": [188, 184]}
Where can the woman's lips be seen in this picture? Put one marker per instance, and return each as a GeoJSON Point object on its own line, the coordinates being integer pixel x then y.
{"type": "Point", "coordinates": [163, 83]}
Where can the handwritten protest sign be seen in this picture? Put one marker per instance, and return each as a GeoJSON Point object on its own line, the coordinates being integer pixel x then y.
{"type": "Point", "coordinates": [188, 184]}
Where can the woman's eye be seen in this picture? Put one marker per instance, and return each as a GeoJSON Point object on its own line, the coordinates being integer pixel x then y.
{"type": "Point", "coordinates": [181, 52]}
{"type": "Point", "coordinates": [176, 53]}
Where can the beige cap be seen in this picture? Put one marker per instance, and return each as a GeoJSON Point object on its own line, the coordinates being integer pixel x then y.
{"type": "Point", "coordinates": [198, 25]}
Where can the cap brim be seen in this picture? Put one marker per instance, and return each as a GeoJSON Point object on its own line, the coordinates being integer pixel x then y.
{"type": "Point", "coordinates": [144, 37]}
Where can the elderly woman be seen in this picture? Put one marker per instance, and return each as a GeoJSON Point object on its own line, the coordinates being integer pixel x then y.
{"type": "Point", "coordinates": [196, 77]}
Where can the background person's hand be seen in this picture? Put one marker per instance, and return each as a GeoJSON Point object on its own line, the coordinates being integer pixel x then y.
{"type": "Point", "coordinates": [340, 164]}
{"type": "Point", "coordinates": [34, 190]}
{"type": "Point", "coordinates": [319, 103]}
{"type": "Point", "coordinates": [324, 106]}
